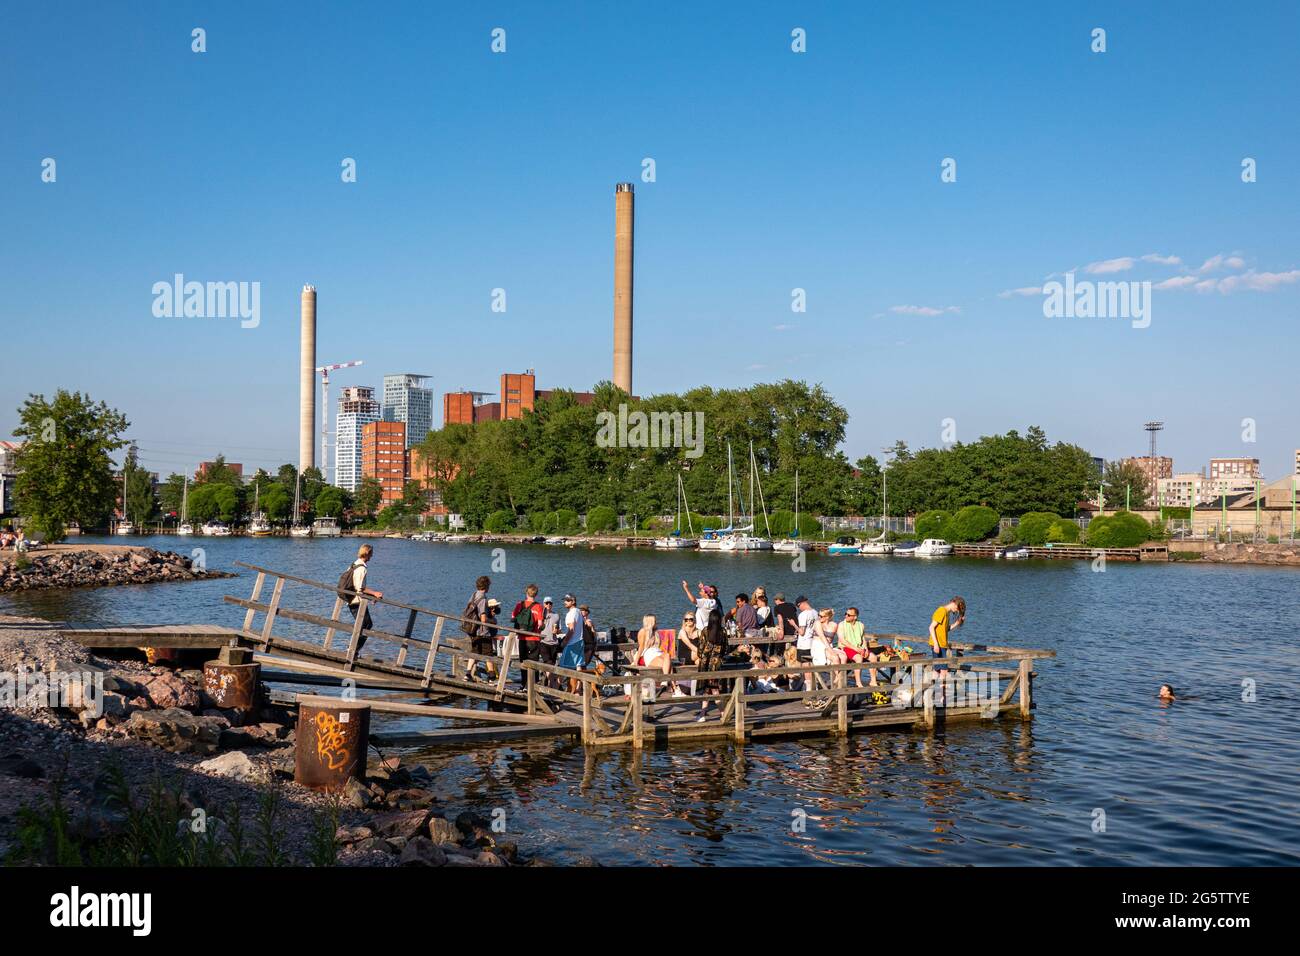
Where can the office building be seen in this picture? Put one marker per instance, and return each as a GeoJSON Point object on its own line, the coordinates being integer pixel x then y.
{"type": "Point", "coordinates": [409, 401]}
{"type": "Point", "coordinates": [1234, 467]}
{"type": "Point", "coordinates": [383, 457]}
{"type": "Point", "coordinates": [357, 408]}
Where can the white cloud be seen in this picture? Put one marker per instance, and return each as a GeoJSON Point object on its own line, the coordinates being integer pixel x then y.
{"type": "Point", "coordinates": [1222, 261]}
{"type": "Point", "coordinates": [1162, 260]}
{"type": "Point", "coordinates": [783, 327]}
{"type": "Point", "coordinates": [1026, 290]}
{"type": "Point", "coordinates": [1257, 281]}
{"type": "Point", "coordinates": [921, 309]}
{"type": "Point", "coordinates": [1177, 282]}
{"type": "Point", "coordinates": [1106, 266]}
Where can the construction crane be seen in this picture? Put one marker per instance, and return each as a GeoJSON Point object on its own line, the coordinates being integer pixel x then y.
{"type": "Point", "coordinates": [325, 413]}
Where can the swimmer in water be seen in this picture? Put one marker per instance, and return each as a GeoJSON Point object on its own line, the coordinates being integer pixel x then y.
{"type": "Point", "coordinates": [1166, 692]}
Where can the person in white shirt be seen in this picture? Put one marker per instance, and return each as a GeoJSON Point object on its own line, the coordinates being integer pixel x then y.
{"type": "Point", "coordinates": [807, 627]}
{"type": "Point", "coordinates": [359, 571]}
{"type": "Point", "coordinates": [705, 603]}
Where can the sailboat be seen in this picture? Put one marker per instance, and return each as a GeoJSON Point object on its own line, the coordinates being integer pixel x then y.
{"type": "Point", "coordinates": [298, 529]}
{"type": "Point", "coordinates": [259, 527]}
{"type": "Point", "coordinates": [714, 539]}
{"type": "Point", "coordinates": [878, 544]}
{"type": "Point", "coordinates": [742, 539]}
{"type": "Point", "coordinates": [792, 544]}
{"type": "Point", "coordinates": [675, 540]}
{"type": "Point", "coordinates": [185, 527]}
{"type": "Point", "coordinates": [124, 526]}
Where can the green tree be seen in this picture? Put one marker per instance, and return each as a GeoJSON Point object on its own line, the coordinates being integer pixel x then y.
{"type": "Point", "coordinates": [277, 503]}
{"type": "Point", "coordinates": [972, 523]}
{"type": "Point", "coordinates": [932, 524]}
{"type": "Point", "coordinates": [329, 502]}
{"type": "Point", "coordinates": [139, 504]}
{"type": "Point", "coordinates": [369, 496]}
{"type": "Point", "coordinates": [65, 469]}
{"type": "Point", "coordinates": [500, 522]}
{"type": "Point", "coordinates": [1125, 482]}
{"type": "Point", "coordinates": [1124, 529]}
{"type": "Point", "coordinates": [1033, 527]}
{"type": "Point", "coordinates": [601, 519]}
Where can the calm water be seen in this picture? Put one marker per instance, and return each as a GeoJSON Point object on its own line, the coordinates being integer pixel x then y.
{"type": "Point", "coordinates": [1208, 780]}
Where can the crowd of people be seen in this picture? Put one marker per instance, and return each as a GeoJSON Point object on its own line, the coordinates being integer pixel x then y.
{"type": "Point", "coordinates": [754, 633]}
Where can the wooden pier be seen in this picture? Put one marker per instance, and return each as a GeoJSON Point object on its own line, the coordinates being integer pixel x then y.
{"type": "Point", "coordinates": [425, 664]}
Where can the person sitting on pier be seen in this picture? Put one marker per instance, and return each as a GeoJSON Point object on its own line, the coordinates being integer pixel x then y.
{"type": "Point", "coordinates": [649, 652]}
{"type": "Point", "coordinates": [853, 642]}
{"type": "Point", "coordinates": [824, 651]}
{"type": "Point", "coordinates": [745, 618]}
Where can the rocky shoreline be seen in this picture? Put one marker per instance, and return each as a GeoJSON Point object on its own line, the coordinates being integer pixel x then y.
{"type": "Point", "coordinates": [1276, 555]}
{"type": "Point", "coordinates": [97, 569]}
{"type": "Point", "coordinates": [152, 736]}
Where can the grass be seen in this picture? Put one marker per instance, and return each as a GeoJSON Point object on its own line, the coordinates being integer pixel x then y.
{"type": "Point", "coordinates": [156, 830]}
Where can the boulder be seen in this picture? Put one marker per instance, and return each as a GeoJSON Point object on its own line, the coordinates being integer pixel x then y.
{"type": "Point", "coordinates": [170, 690]}
{"type": "Point", "coordinates": [420, 851]}
{"type": "Point", "coordinates": [488, 858]}
{"type": "Point", "coordinates": [405, 824]}
{"type": "Point", "coordinates": [355, 794]}
{"type": "Point", "coordinates": [16, 765]}
{"type": "Point", "coordinates": [236, 765]}
{"type": "Point", "coordinates": [442, 830]}
{"type": "Point", "coordinates": [174, 729]}
{"type": "Point", "coordinates": [346, 835]}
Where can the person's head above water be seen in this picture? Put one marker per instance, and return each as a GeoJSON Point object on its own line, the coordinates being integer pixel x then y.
{"type": "Point", "coordinates": [1167, 692]}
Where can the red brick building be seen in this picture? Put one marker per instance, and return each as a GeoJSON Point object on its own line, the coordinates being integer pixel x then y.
{"type": "Point", "coordinates": [383, 456]}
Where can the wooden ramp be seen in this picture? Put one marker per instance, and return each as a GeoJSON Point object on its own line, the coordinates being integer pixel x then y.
{"type": "Point", "coordinates": [171, 636]}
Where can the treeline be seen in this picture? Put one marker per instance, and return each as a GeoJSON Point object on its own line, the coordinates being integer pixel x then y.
{"type": "Point", "coordinates": [550, 463]}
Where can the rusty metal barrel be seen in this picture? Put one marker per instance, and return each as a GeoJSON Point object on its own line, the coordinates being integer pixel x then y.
{"type": "Point", "coordinates": [231, 685]}
{"type": "Point", "coordinates": [331, 744]}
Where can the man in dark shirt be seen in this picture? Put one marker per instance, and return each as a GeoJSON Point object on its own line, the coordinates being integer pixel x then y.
{"type": "Point", "coordinates": [786, 617]}
{"type": "Point", "coordinates": [745, 617]}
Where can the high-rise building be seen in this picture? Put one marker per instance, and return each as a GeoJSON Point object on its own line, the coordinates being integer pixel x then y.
{"type": "Point", "coordinates": [383, 457]}
{"type": "Point", "coordinates": [1234, 467]}
{"type": "Point", "coordinates": [1162, 467]}
{"type": "Point", "coordinates": [407, 400]}
{"type": "Point", "coordinates": [518, 393]}
{"type": "Point", "coordinates": [357, 408]}
{"type": "Point", "coordinates": [8, 475]}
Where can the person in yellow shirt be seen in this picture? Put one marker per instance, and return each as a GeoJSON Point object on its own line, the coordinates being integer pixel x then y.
{"type": "Point", "coordinates": [941, 625]}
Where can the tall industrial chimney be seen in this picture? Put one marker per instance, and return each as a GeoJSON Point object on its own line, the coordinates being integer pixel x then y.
{"type": "Point", "coordinates": [624, 229]}
{"type": "Point", "coordinates": [307, 382]}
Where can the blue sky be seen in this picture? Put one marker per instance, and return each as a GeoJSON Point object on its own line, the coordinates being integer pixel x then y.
{"type": "Point", "coordinates": [775, 171]}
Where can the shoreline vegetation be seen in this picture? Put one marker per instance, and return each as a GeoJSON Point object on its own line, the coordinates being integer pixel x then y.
{"type": "Point", "coordinates": [155, 775]}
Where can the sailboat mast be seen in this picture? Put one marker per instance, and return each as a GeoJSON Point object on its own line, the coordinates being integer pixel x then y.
{"type": "Point", "coordinates": [731, 508]}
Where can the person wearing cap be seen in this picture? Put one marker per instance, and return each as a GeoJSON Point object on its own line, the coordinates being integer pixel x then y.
{"type": "Point", "coordinates": [571, 647]}
{"type": "Point", "coordinates": [548, 645]}
{"type": "Point", "coordinates": [705, 603]}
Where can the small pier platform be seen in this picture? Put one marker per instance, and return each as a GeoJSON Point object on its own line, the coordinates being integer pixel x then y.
{"type": "Point", "coordinates": [425, 663]}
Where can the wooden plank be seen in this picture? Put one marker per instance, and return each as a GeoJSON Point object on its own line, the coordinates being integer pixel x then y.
{"type": "Point", "coordinates": [433, 651]}
{"type": "Point", "coordinates": [271, 612]}
{"type": "Point", "coordinates": [161, 637]}
{"type": "Point", "coordinates": [335, 615]}
{"type": "Point", "coordinates": [406, 639]}
{"type": "Point", "coordinates": [435, 710]}
{"type": "Point", "coordinates": [469, 735]}
{"type": "Point", "coordinates": [354, 645]}
{"type": "Point", "coordinates": [257, 593]}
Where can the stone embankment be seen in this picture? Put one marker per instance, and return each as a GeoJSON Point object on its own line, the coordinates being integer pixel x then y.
{"type": "Point", "coordinates": [98, 568]}
{"type": "Point", "coordinates": [151, 723]}
{"type": "Point", "coordinates": [1274, 554]}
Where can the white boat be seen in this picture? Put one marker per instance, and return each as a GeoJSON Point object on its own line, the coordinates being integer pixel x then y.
{"type": "Point", "coordinates": [845, 544]}
{"type": "Point", "coordinates": [933, 548]}
{"type": "Point", "coordinates": [298, 529]}
{"type": "Point", "coordinates": [876, 546]}
{"type": "Point", "coordinates": [711, 540]}
{"type": "Point", "coordinates": [553, 541]}
{"type": "Point", "coordinates": [906, 549]}
{"type": "Point", "coordinates": [185, 527]}
{"type": "Point", "coordinates": [258, 526]}
{"type": "Point", "coordinates": [753, 542]}
{"type": "Point", "coordinates": [216, 529]}
{"type": "Point", "coordinates": [677, 541]}
{"type": "Point", "coordinates": [124, 527]}
{"type": "Point", "coordinates": [792, 544]}
{"type": "Point", "coordinates": [731, 538]}
{"type": "Point", "coordinates": [326, 528]}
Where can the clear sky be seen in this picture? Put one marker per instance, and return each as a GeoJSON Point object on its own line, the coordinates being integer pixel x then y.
{"type": "Point", "coordinates": [775, 170]}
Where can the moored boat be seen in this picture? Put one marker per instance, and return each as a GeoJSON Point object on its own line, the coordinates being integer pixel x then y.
{"type": "Point", "coordinates": [933, 548]}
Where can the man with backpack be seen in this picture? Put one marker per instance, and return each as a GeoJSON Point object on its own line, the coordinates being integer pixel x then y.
{"type": "Point", "coordinates": [528, 617]}
{"type": "Point", "coordinates": [352, 586]}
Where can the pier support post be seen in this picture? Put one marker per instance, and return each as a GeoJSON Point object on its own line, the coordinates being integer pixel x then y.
{"type": "Point", "coordinates": [635, 704]}
{"type": "Point", "coordinates": [842, 704]}
{"type": "Point", "coordinates": [1026, 694]}
{"type": "Point", "coordinates": [927, 696]}
{"type": "Point", "coordinates": [331, 744]}
{"type": "Point", "coordinates": [738, 709]}
{"type": "Point", "coordinates": [231, 686]}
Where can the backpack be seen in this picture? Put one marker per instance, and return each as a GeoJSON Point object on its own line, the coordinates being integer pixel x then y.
{"type": "Point", "coordinates": [344, 590]}
{"type": "Point", "coordinates": [471, 625]}
{"type": "Point", "coordinates": [529, 619]}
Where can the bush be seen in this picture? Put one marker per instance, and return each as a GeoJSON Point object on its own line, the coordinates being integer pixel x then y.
{"type": "Point", "coordinates": [1123, 529]}
{"type": "Point", "coordinates": [782, 523]}
{"type": "Point", "coordinates": [566, 521]}
{"type": "Point", "coordinates": [500, 522]}
{"type": "Point", "coordinates": [1063, 532]}
{"type": "Point", "coordinates": [1007, 535]}
{"type": "Point", "coordinates": [537, 521]}
{"type": "Point", "coordinates": [932, 524]}
{"type": "Point", "coordinates": [972, 523]}
{"type": "Point", "coordinates": [600, 519]}
{"type": "Point", "coordinates": [1034, 526]}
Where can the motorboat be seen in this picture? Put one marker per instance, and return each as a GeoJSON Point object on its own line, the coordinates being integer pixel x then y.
{"type": "Point", "coordinates": [216, 529]}
{"type": "Point", "coordinates": [326, 528]}
{"type": "Point", "coordinates": [1016, 552]}
{"type": "Point", "coordinates": [124, 527]}
{"type": "Point", "coordinates": [906, 549]}
{"type": "Point", "coordinates": [845, 544]}
{"type": "Point", "coordinates": [556, 541]}
{"type": "Point", "coordinates": [934, 548]}
{"type": "Point", "coordinates": [185, 528]}
{"type": "Point", "coordinates": [300, 531]}
{"type": "Point", "coordinates": [259, 527]}
{"type": "Point", "coordinates": [876, 546]}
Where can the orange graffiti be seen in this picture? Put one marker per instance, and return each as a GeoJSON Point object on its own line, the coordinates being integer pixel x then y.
{"type": "Point", "coordinates": [330, 741]}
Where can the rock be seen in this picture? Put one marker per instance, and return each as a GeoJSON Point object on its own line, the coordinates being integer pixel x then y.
{"type": "Point", "coordinates": [170, 690]}
{"type": "Point", "coordinates": [488, 858]}
{"type": "Point", "coordinates": [16, 765]}
{"type": "Point", "coordinates": [246, 737]}
{"type": "Point", "coordinates": [355, 794]}
{"type": "Point", "coordinates": [483, 837]}
{"type": "Point", "coordinates": [114, 705]}
{"type": "Point", "coordinates": [236, 765]}
{"type": "Point", "coordinates": [420, 851]}
{"type": "Point", "coordinates": [442, 830]}
{"type": "Point", "coordinates": [467, 822]}
{"type": "Point", "coordinates": [174, 729]}
{"type": "Point", "coordinates": [274, 731]}
{"type": "Point", "coordinates": [401, 824]}
{"type": "Point", "coordinates": [346, 835]}
{"type": "Point", "coordinates": [372, 844]}
{"type": "Point", "coordinates": [410, 798]}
